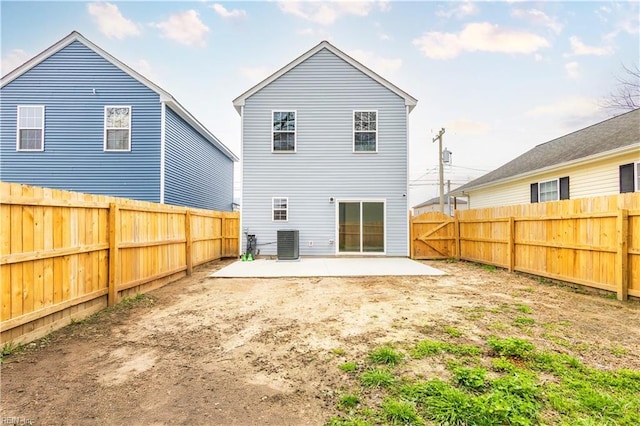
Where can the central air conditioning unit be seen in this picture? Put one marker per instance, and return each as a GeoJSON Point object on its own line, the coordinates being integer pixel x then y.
{"type": "Point", "coordinates": [288, 244]}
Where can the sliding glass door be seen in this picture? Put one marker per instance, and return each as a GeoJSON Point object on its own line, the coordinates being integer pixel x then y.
{"type": "Point", "coordinates": [361, 227]}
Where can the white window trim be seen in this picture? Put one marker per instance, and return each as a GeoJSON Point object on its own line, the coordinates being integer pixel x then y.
{"type": "Point", "coordinates": [295, 132]}
{"type": "Point", "coordinates": [636, 176]}
{"type": "Point", "coordinates": [104, 125]}
{"type": "Point", "coordinates": [353, 130]}
{"type": "Point", "coordinates": [337, 224]}
{"type": "Point", "coordinates": [557, 181]}
{"type": "Point", "coordinates": [273, 209]}
{"type": "Point", "coordinates": [18, 128]}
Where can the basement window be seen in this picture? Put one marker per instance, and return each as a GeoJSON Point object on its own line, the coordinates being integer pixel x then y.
{"type": "Point", "coordinates": [280, 209]}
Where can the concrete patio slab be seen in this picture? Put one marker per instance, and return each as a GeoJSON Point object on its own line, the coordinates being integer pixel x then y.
{"type": "Point", "coordinates": [326, 267]}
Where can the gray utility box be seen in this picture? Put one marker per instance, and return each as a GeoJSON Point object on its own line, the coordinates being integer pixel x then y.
{"type": "Point", "coordinates": [288, 244]}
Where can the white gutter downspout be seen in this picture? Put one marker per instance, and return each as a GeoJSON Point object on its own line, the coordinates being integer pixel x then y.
{"type": "Point", "coordinates": [163, 124]}
{"type": "Point", "coordinates": [242, 179]}
{"type": "Point", "coordinates": [406, 198]}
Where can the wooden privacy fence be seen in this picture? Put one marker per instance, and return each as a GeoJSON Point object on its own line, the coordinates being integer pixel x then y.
{"type": "Point", "coordinates": [591, 241]}
{"type": "Point", "coordinates": [66, 255]}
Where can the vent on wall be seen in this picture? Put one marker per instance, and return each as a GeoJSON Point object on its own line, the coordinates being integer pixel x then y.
{"type": "Point", "coordinates": [288, 244]}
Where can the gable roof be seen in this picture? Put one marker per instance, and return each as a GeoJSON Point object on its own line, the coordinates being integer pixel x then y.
{"type": "Point", "coordinates": [615, 135]}
{"type": "Point", "coordinates": [164, 95]}
{"type": "Point", "coordinates": [409, 100]}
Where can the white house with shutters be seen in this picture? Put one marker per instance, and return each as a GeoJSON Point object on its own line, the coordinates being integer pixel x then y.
{"type": "Point", "coordinates": [602, 159]}
{"type": "Point", "coordinates": [325, 153]}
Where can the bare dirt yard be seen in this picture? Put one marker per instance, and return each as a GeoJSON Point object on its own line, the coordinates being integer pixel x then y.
{"type": "Point", "coordinates": [267, 351]}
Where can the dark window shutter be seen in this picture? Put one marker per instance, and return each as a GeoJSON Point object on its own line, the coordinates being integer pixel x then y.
{"type": "Point", "coordinates": [534, 192]}
{"type": "Point", "coordinates": [564, 188]}
{"type": "Point", "coordinates": [626, 178]}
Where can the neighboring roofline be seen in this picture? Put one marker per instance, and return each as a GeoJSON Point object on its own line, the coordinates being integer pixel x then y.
{"type": "Point", "coordinates": [464, 190]}
{"type": "Point", "coordinates": [409, 100]}
{"type": "Point", "coordinates": [164, 95]}
{"type": "Point", "coordinates": [436, 200]}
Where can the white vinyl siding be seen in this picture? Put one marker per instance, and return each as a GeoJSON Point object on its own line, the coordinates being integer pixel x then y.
{"type": "Point", "coordinates": [280, 209]}
{"type": "Point", "coordinates": [365, 131]}
{"type": "Point", "coordinates": [325, 91]}
{"type": "Point", "coordinates": [117, 128]}
{"type": "Point", "coordinates": [30, 128]}
{"type": "Point", "coordinates": [283, 132]}
{"type": "Point", "coordinates": [587, 180]}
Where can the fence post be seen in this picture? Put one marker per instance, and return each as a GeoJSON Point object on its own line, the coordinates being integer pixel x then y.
{"type": "Point", "coordinates": [456, 231]}
{"type": "Point", "coordinates": [622, 254]}
{"type": "Point", "coordinates": [512, 243]}
{"type": "Point", "coordinates": [412, 251]}
{"type": "Point", "coordinates": [223, 241]}
{"type": "Point", "coordinates": [187, 235]}
{"type": "Point", "coordinates": [114, 254]}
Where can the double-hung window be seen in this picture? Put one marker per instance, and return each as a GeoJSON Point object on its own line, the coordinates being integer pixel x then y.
{"type": "Point", "coordinates": [280, 208]}
{"type": "Point", "coordinates": [283, 131]}
{"type": "Point", "coordinates": [30, 129]}
{"type": "Point", "coordinates": [365, 131]}
{"type": "Point", "coordinates": [630, 177]}
{"type": "Point", "coordinates": [117, 128]}
{"type": "Point", "coordinates": [550, 190]}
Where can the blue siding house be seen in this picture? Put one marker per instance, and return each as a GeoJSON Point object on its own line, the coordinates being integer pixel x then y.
{"type": "Point", "coordinates": [325, 152]}
{"type": "Point", "coordinates": [76, 118]}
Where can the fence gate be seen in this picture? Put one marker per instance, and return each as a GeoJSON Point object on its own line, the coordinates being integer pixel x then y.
{"type": "Point", "coordinates": [432, 236]}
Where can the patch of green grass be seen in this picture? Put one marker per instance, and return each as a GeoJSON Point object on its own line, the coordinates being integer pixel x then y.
{"type": "Point", "coordinates": [470, 378]}
{"type": "Point", "coordinates": [10, 348]}
{"type": "Point", "coordinates": [490, 268]}
{"type": "Point", "coordinates": [511, 346]}
{"type": "Point", "coordinates": [426, 348]}
{"type": "Point", "coordinates": [524, 309]}
{"type": "Point", "coordinates": [385, 355]}
{"type": "Point", "coordinates": [352, 421]}
{"type": "Point", "coordinates": [398, 412]}
{"type": "Point", "coordinates": [525, 386]}
{"type": "Point", "coordinates": [618, 350]}
{"type": "Point", "coordinates": [498, 326]}
{"type": "Point", "coordinates": [348, 401]}
{"type": "Point", "coordinates": [377, 378]}
{"type": "Point", "coordinates": [523, 322]}
{"type": "Point", "coordinates": [453, 332]}
{"type": "Point", "coordinates": [338, 351]}
{"type": "Point", "coordinates": [348, 366]}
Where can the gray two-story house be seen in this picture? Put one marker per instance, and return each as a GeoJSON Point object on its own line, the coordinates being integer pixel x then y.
{"type": "Point", "coordinates": [75, 117]}
{"type": "Point", "coordinates": [325, 152]}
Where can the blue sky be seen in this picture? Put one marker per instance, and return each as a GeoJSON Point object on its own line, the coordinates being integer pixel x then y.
{"type": "Point", "coordinates": [500, 77]}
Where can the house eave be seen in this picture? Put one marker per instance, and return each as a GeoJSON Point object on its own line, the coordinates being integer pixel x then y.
{"type": "Point", "coordinates": [410, 101]}
{"type": "Point", "coordinates": [634, 147]}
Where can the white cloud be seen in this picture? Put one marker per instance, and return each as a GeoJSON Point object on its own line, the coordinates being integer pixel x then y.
{"type": "Point", "coordinates": [13, 60]}
{"type": "Point", "coordinates": [579, 48]}
{"type": "Point", "coordinates": [111, 22]}
{"type": "Point", "coordinates": [467, 127]}
{"type": "Point", "coordinates": [579, 106]}
{"type": "Point", "coordinates": [383, 66]}
{"type": "Point", "coordinates": [184, 28]}
{"type": "Point", "coordinates": [538, 57]}
{"type": "Point", "coordinates": [229, 14]}
{"type": "Point", "coordinates": [481, 36]}
{"type": "Point", "coordinates": [384, 37]}
{"type": "Point", "coordinates": [327, 12]}
{"type": "Point", "coordinates": [573, 70]}
{"type": "Point", "coordinates": [538, 17]}
{"type": "Point", "coordinates": [461, 10]}
{"type": "Point", "coordinates": [254, 74]}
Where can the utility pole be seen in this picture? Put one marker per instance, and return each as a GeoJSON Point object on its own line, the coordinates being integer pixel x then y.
{"type": "Point", "coordinates": [439, 139]}
{"type": "Point", "coordinates": [449, 211]}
